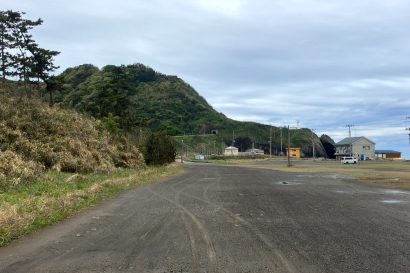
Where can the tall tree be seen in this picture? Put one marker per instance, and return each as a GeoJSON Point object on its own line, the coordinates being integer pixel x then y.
{"type": "Point", "coordinates": [24, 43]}
{"type": "Point", "coordinates": [8, 20]}
{"type": "Point", "coordinates": [20, 55]}
{"type": "Point", "coordinates": [42, 62]}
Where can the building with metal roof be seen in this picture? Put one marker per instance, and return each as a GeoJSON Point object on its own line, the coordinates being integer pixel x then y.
{"type": "Point", "coordinates": [387, 154]}
{"type": "Point", "coordinates": [359, 147]}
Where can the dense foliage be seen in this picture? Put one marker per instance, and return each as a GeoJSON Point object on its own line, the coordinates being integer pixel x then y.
{"type": "Point", "coordinates": [138, 95]}
{"type": "Point", "coordinates": [159, 149]}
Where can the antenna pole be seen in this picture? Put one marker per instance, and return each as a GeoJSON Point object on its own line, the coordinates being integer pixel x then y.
{"type": "Point", "coordinates": [350, 126]}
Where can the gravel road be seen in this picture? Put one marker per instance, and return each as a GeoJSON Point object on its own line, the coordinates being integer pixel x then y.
{"type": "Point", "coordinates": [228, 219]}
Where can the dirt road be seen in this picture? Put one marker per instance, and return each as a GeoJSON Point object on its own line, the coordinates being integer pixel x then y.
{"type": "Point", "coordinates": [229, 219]}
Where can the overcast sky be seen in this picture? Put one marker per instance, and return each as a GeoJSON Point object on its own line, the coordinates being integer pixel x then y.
{"type": "Point", "coordinates": [324, 63]}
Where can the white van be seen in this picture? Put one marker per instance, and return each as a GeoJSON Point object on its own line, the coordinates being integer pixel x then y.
{"type": "Point", "coordinates": [349, 160]}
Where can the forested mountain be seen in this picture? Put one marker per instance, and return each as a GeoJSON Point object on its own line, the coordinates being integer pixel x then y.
{"type": "Point", "coordinates": [135, 96]}
{"type": "Point", "coordinates": [140, 96]}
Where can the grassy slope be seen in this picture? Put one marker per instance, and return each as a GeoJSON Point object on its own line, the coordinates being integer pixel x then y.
{"type": "Point", "coordinates": [41, 147]}
{"type": "Point", "coordinates": [35, 138]}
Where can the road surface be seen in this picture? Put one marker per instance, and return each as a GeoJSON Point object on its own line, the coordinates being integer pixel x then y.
{"type": "Point", "coordinates": [229, 219]}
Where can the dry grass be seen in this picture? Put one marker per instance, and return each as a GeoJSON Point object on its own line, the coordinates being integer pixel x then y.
{"type": "Point", "coordinates": [32, 206]}
{"type": "Point", "coordinates": [35, 138]}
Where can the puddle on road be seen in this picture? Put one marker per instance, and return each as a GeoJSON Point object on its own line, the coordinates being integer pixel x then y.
{"type": "Point", "coordinates": [392, 201]}
{"type": "Point", "coordinates": [287, 183]}
{"type": "Point", "coordinates": [343, 192]}
{"type": "Point", "coordinates": [394, 192]}
{"type": "Point", "coordinates": [325, 176]}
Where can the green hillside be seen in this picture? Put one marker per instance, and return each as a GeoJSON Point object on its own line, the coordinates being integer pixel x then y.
{"type": "Point", "coordinates": [137, 97]}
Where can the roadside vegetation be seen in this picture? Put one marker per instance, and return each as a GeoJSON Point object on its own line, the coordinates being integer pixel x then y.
{"type": "Point", "coordinates": [35, 138]}
{"type": "Point", "coordinates": [54, 162]}
{"type": "Point", "coordinates": [56, 195]}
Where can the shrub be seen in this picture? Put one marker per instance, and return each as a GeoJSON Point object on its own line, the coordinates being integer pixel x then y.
{"type": "Point", "coordinates": [14, 169]}
{"type": "Point", "coordinates": [159, 149]}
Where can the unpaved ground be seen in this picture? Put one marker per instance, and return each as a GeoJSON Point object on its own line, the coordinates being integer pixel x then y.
{"type": "Point", "coordinates": [229, 219]}
{"type": "Point", "coordinates": [387, 174]}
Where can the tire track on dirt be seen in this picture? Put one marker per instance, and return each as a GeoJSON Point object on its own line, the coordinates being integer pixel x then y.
{"type": "Point", "coordinates": [286, 264]}
{"type": "Point", "coordinates": [210, 249]}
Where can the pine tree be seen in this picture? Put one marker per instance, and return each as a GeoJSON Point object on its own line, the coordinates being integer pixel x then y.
{"type": "Point", "coordinates": [8, 21]}
{"type": "Point", "coordinates": [42, 62]}
{"type": "Point", "coordinates": [24, 43]}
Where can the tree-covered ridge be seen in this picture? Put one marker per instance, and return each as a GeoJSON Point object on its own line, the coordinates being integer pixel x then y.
{"type": "Point", "coordinates": [140, 96]}
{"type": "Point", "coordinates": [136, 96]}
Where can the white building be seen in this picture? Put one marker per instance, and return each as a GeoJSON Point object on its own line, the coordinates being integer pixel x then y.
{"type": "Point", "coordinates": [231, 151]}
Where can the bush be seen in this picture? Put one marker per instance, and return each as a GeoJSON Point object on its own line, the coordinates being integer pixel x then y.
{"type": "Point", "coordinates": [159, 149]}
{"type": "Point", "coordinates": [14, 169]}
{"type": "Point", "coordinates": [35, 137]}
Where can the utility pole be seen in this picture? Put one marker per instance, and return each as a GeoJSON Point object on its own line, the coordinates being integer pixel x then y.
{"type": "Point", "coordinates": [313, 143]}
{"type": "Point", "coordinates": [182, 151]}
{"type": "Point", "coordinates": [289, 147]}
{"type": "Point", "coordinates": [350, 126]}
{"type": "Point", "coordinates": [408, 128]}
{"type": "Point", "coordinates": [270, 141]}
{"type": "Point", "coordinates": [281, 152]}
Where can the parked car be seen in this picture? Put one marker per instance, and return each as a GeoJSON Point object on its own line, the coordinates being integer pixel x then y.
{"type": "Point", "coordinates": [349, 160]}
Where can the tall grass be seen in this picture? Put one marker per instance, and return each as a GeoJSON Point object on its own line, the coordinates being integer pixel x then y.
{"type": "Point", "coordinates": [35, 138]}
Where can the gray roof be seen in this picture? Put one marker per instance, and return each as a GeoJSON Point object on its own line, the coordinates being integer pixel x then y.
{"type": "Point", "coordinates": [351, 140]}
{"type": "Point", "coordinates": [386, 152]}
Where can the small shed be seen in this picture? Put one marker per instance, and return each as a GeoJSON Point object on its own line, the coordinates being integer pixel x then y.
{"type": "Point", "coordinates": [387, 154]}
{"type": "Point", "coordinates": [232, 151]}
{"type": "Point", "coordinates": [294, 152]}
{"type": "Point", "coordinates": [199, 157]}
